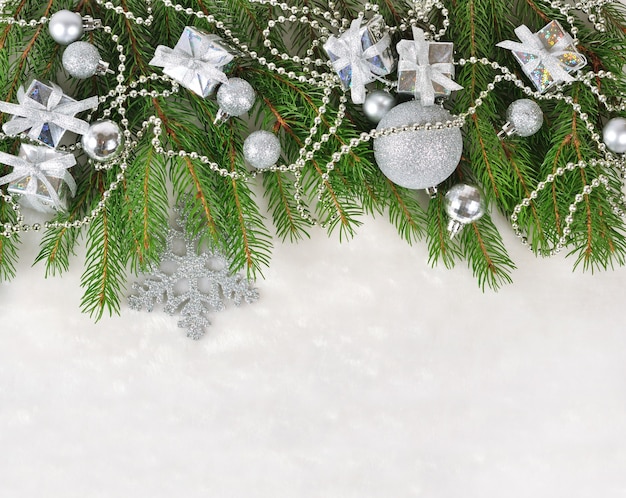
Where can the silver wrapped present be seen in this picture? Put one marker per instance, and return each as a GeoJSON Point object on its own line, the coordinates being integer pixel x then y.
{"type": "Point", "coordinates": [361, 55]}
{"type": "Point", "coordinates": [425, 68]}
{"type": "Point", "coordinates": [45, 113]}
{"type": "Point", "coordinates": [40, 176]}
{"type": "Point", "coordinates": [198, 62]}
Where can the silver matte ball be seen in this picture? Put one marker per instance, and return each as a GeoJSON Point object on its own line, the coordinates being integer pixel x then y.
{"type": "Point", "coordinates": [614, 135]}
{"type": "Point", "coordinates": [103, 141]}
{"type": "Point", "coordinates": [261, 149]}
{"type": "Point", "coordinates": [236, 97]}
{"type": "Point", "coordinates": [418, 159]}
{"type": "Point", "coordinates": [81, 60]}
{"type": "Point", "coordinates": [464, 203]}
{"type": "Point", "coordinates": [377, 104]}
{"type": "Point", "coordinates": [526, 117]}
{"type": "Point", "coordinates": [65, 27]}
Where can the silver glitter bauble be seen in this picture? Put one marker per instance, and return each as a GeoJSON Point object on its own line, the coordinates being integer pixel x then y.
{"type": "Point", "coordinates": [418, 159]}
{"type": "Point", "coordinates": [81, 60]}
{"type": "Point", "coordinates": [236, 97]}
{"type": "Point", "coordinates": [614, 135]}
{"type": "Point", "coordinates": [65, 27]}
{"type": "Point", "coordinates": [464, 204]}
{"type": "Point", "coordinates": [525, 116]}
{"type": "Point", "coordinates": [261, 149]}
{"type": "Point", "coordinates": [103, 141]}
{"type": "Point", "coordinates": [377, 104]}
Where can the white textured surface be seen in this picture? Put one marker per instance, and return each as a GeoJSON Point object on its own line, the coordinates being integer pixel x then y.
{"type": "Point", "coordinates": [361, 372]}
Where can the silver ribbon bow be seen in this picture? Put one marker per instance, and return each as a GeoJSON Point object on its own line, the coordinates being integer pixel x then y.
{"type": "Point", "coordinates": [349, 51]}
{"type": "Point", "coordinates": [415, 56]}
{"type": "Point", "coordinates": [549, 57]}
{"type": "Point", "coordinates": [40, 164]}
{"type": "Point", "coordinates": [208, 66]}
{"type": "Point", "coordinates": [33, 115]}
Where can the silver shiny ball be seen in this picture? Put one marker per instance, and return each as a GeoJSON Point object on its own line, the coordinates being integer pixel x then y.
{"type": "Point", "coordinates": [418, 159]}
{"type": "Point", "coordinates": [236, 97]}
{"type": "Point", "coordinates": [614, 135]}
{"type": "Point", "coordinates": [377, 104]}
{"type": "Point", "coordinates": [261, 149]}
{"type": "Point", "coordinates": [81, 60]}
{"type": "Point", "coordinates": [464, 203]}
{"type": "Point", "coordinates": [526, 117]}
{"type": "Point", "coordinates": [65, 27]}
{"type": "Point", "coordinates": [103, 141]}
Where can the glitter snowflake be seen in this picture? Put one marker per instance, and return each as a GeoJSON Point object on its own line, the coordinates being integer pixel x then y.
{"type": "Point", "coordinates": [199, 283]}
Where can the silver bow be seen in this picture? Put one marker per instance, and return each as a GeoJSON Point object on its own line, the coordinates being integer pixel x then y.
{"type": "Point", "coordinates": [549, 57]}
{"type": "Point", "coordinates": [207, 67]}
{"type": "Point", "coordinates": [32, 115]}
{"type": "Point", "coordinates": [415, 56]}
{"type": "Point", "coordinates": [39, 164]}
{"type": "Point", "coordinates": [348, 48]}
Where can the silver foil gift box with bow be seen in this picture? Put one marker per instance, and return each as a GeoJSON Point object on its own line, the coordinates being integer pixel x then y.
{"type": "Point", "coordinates": [361, 55]}
{"type": "Point", "coordinates": [45, 113]}
{"type": "Point", "coordinates": [548, 57]}
{"type": "Point", "coordinates": [40, 176]}
{"type": "Point", "coordinates": [426, 68]}
{"type": "Point", "coordinates": [198, 62]}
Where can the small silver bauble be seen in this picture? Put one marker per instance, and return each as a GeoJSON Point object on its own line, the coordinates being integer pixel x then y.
{"type": "Point", "coordinates": [66, 27]}
{"type": "Point", "coordinates": [524, 118]}
{"type": "Point", "coordinates": [103, 141]}
{"type": "Point", "coordinates": [464, 204]}
{"type": "Point", "coordinates": [614, 135]}
{"type": "Point", "coordinates": [377, 104]}
{"type": "Point", "coordinates": [82, 60]}
{"type": "Point", "coordinates": [418, 159]}
{"type": "Point", "coordinates": [234, 98]}
{"type": "Point", "coordinates": [261, 149]}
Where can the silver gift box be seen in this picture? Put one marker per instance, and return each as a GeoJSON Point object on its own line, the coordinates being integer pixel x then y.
{"type": "Point", "coordinates": [36, 154]}
{"type": "Point", "coordinates": [199, 45]}
{"type": "Point", "coordinates": [438, 53]}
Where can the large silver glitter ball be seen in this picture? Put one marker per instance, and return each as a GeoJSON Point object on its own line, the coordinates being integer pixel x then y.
{"type": "Point", "coordinates": [614, 135]}
{"type": "Point", "coordinates": [377, 104]}
{"type": "Point", "coordinates": [464, 203]}
{"type": "Point", "coordinates": [81, 60]}
{"type": "Point", "coordinates": [418, 159]}
{"type": "Point", "coordinates": [103, 141]}
{"type": "Point", "coordinates": [65, 27]}
{"type": "Point", "coordinates": [236, 97]}
{"type": "Point", "coordinates": [261, 149]}
{"type": "Point", "coordinates": [526, 117]}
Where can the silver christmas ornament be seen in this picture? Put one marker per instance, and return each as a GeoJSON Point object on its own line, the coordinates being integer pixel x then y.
{"type": "Point", "coordinates": [418, 159]}
{"type": "Point", "coordinates": [377, 104]}
{"type": "Point", "coordinates": [614, 135]}
{"type": "Point", "coordinates": [103, 141]}
{"type": "Point", "coordinates": [82, 60]}
{"type": "Point", "coordinates": [261, 149]}
{"type": "Point", "coordinates": [524, 118]}
{"type": "Point", "coordinates": [66, 27]}
{"type": "Point", "coordinates": [234, 98]}
{"type": "Point", "coordinates": [464, 204]}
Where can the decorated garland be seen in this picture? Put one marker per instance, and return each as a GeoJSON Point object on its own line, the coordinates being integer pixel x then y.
{"type": "Point", "coordinates": [436, 114]}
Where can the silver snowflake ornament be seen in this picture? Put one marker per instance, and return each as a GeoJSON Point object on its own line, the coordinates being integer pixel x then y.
{"type": "Point", "coordinates": [199, 283]}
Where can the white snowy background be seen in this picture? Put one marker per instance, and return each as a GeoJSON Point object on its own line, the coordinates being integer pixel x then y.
{"type": "Point", "coordinates": [360, 372]}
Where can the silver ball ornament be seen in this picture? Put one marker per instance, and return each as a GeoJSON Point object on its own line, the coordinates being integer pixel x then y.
{"type": "Point", "coordinates": [377, 104]}
{"type": "Point", "coordinates": [236, 97]}
{"type": "Point", "coordinates": [525, 116]}
{"type": "Point", "coordinates": [261, 149]}
{"type": "Point", "coordinates": [65, 27]}
{"type": "Point", "coordinates": [103, 141]}
{"type": "Point", "coordinates": [614, 135]}
{"type": "Point", "coordinates": [418, 159]}
{"type": "Point", "coordinates": [464, 204]}
{"type": "Point", "coordinates": [81, 60]}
